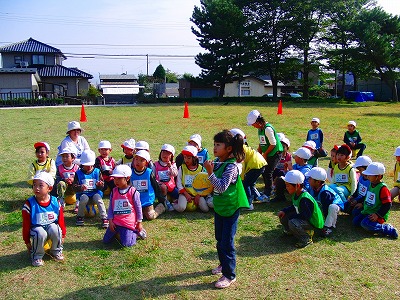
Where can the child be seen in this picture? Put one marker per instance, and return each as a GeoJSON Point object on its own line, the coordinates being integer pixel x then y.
{"type": "Point", "coordinates": [284, 164]}
{"type": "Point", "coordinates": [187, 171]}
{"type": "Point", "coordinates": [128, 147]}
{"type": "Point", "coordinates": [42, 220]}
{"type": "Point", "coordinates": [352, 138]}
{"type": "Point", "coordinates": [165, 171]}
{"type": "Point", "coordinates": [88, 184]}
{"type": "Point", "coordinates": [344, 181]}
{"type": "Point", "coordinates": [106, 164]}
{"type": "Point", "coordinates": [332, 163]}
{"type": "Point", "coordinates": [395, 191]}
{"type": "Point", "coordinates": [310, 145]}
{"type": "Point", "coordinates": [65, 175]}
{"type": "Point", "coordinates": [377, 204]}
{"type": "Point", "coordinates": [328, 200]}
{"type": "Point", "coordinates": [42, 162]}
{"type": "Point", "coordinates": [125, 211]}
{"type": "Point", "coordinates": [202, 153]}
{"type": "Point", "coordinates": [316, 135]}
{"type": "Point", "coordinates": [253, 166]}
{"type": "Point", "coordinates": [357, 199]}
{"type": "Point", "coordinates": [143, 145]}
{"type": "Point", "coordinates": [144, 181]}
{"type": "Point", "coordinates": [229, 197]}
{"type": "Point", "coordinates": [304, 215]}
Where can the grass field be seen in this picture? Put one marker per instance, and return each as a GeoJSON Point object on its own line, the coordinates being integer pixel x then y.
{"type": "Point", "coordinates": [175, 261]}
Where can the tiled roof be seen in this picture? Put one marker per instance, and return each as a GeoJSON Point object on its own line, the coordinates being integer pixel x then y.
{"type": "Point", "coordinates": [61, 71]}
{"type": "Point", "coordinates": [117, 77]}
{"type": "Point", "coordinates": [30, 46]}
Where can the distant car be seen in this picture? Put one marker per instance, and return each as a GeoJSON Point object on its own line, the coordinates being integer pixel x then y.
{"type": "Point", "coordinates": [291, 95]}
{"type": "Point", "coordinates": [268, 95]}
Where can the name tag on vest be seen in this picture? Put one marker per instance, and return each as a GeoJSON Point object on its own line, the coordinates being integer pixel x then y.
{"type": "Point", "coordinates": [140, 185]}
{"type": "Point", "coordinates": [314, 136]}
{"type": "Point", "coordinates": [188, 180]}
{"type": "Point", "coordinates": [263, 140]}
{"type": "Point", "coordinates": [342, 178]}
{"type": "Point", "coordinates": [163, 176]}
{"type": "Point", "coordinates": [370, 199]}
{"type": "Point", "coordinates": [45, 218]}
{"type": "Point", "coordinates": [122, 206]}
{"type": "Point", "coordinates": [90, 183]}
{"type": "Point", "coordinates": [362, 190]}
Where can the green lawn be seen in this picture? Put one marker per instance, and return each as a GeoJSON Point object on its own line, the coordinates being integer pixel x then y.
{"type": "Point", "coordinates": [176, 260]}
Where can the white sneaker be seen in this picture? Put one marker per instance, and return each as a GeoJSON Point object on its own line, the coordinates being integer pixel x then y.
{"type": "Point", "coordinates": [251, 207]}
{"type": "Point", "coordinates": [37, 262]}
{"type": "Point", "coordinates": [224, 282]}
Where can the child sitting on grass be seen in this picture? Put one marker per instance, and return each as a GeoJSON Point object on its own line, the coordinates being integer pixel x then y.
{"type": "Point", "coordinates": [106, 164]}
{"type": "Point", "coordinates": [128, 148]}
{"type": "Point", "coordinates": [353, 139]}
{"type": "Point", "coordinates": [395, 191]}
{"type": "Point", "coordinates": [43, 220]}
{"type": "Point", "coordinates": [42, 163]}
{"type": "Point", "coordinates": [332, 163]}
{"type": "Point", "coordinates": [304, 215]}
{"type": "Point", "coordinates": [377, 204]}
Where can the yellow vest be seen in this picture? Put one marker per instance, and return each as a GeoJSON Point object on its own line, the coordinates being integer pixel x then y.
{"type": "Point", "coordinates": [253, 160]}
{"type": "Point", "coordinates": [188, 176]}
{"type": "Point", "coordinates": [396, 175]}
{"type": "Point", "coordinates": [342, 177]}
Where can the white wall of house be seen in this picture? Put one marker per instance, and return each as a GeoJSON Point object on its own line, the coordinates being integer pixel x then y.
{"type": "Point", "coordinates": [119, 90]}
{"type": "Point", "coordinates": [249, 87]}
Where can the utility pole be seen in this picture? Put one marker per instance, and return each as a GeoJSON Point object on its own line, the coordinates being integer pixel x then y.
{"type": "Point", "coordinates": [147, 64]}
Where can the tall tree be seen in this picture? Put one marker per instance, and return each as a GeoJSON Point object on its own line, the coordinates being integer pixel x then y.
{"type": "Point", "coordinates": [159, 73]}
{"type": "Point", "coordinates": [220, 31]}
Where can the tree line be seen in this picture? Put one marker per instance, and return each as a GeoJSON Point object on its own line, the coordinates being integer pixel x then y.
{"type": "Point", "coordinates": [280, 38]}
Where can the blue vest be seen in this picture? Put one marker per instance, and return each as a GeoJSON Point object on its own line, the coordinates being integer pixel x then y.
{"type": "Point", "coordinates": [143, 185]}
{"type": "Point", "coordinates": [202, 155]}
{"type": "Point", "coordinates": [90, 181]}
{"type": "Point", "coordinates": [338, 201]}
{"type": "Point", "coordinates": [44, 215]}
{"type": "Point", "coordinates": [362, 188]}
{"type": "Point", "coordinates": [304, 169]}
{"type": "Point", "coordinates": [315, 135]}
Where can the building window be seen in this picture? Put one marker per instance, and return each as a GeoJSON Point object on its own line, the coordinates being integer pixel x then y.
{"type": "Point", "coordinates": [17, 59]}
{"type": "Point", "coordinates": [245, 92]}
{"type": "Point", "coordinates": [37, 59]}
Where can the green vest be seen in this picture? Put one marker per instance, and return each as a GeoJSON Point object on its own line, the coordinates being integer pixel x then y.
{"type": "Point", "coordinates": [317, 219]}
{"type": "Point", "coordinates": [264, 142]}
{"type": "Point", "coordinates": [226, 203]}
{"type": "Point", "coordinates": [372, 201]}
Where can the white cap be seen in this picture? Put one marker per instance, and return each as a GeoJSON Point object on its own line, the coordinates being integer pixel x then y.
{"type": "Point", "coordinates": [397, 151]}
{"type": "Point", "coordinates": [142, 145]}
{"type": "Point", "coordinates": [169, 148]}
{"type": "Point", "coordinates": [303, 153]}
{"type": "Point", "coordinates": [88, 158]}
{"type": "Point", "coordinates": [45, 177]}
{"type": "Point", "coordinates": [236, 131]}
{"type": "Point", "coordinates": [144, 154]}
{"type": "Point", "coordinates": [71, 150]}
{"type": "Point", "coordinates": [352, 123]}
{"type": "Point", "coordinates": [73, 125]}
{"type": "Point", "coordinates": [286, 141]}
{"type": "Point", "coordinates": [375, 168]}
{"type": "Point", "coordinates": [122, 171]}
{"type": "Point", "coordinates": [42, 144]}
{"type": "Point", "coordinates": [189, 150]}
{"type": "Point", "coordinates": [294, 177]}
{"type": "Point", "coordinates": [252, 117]}
{"type": "Point", "coordinates": [104, 145]}
{"type": "Point", "coordinates": [195, 138]}
{"type": "Point", "coordinates": [130, 144]}
{"type": "Point", "coordinates": [362, 161]}
{"type": "Point", "coordinates": [281, 135]}
{"type": "Point", "coordinates": [310, 145]}
{"type": "Point", "coordinates": [317, 173]}
{"type": "Point", "coordinates": [315, 120]}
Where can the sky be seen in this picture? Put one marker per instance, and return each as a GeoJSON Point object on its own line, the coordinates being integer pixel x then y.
{"type": "Point", "coordinates": [86, 31]}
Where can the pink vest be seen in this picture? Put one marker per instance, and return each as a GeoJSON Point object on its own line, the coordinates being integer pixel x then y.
{"type": "Point", "coordinates": [164, 175]}
{"type": "Point", "coordinates": [123, 208]}
{"type": "Point", "coordinates": [106, 166]}
{"type": "Point", "coordinates": [67, 173]}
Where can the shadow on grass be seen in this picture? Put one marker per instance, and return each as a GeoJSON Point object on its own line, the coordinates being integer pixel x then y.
{"type": "Point", "coordinates": [145, 289]}
{"type": "Point", "coordinates": [15, 261]}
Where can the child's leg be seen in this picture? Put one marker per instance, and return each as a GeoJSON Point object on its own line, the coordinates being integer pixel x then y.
{"type": "Point", "coordinates": [210, 201]}
{"type": "Point", "coordinates": [331, 218]}
{"type": "Point", "coordinates": [384, 229]}
{"type": "Point", "coordinates": [38, 237]}
{"type": "Point", "coordinates": [109, 236]}
{"type": "Point", "coordinates": [394, 192]}
{"type": "Point", "coordinates": [55, 235]}
{"type": "Point", "coordinates": [127, 237]}
{"type": "Point", "coordinates": [83, 201]}
{"type": "Point", "coordinates": [341, 191]}
{"type": "Point", "coordinates": [302, 230]}
{"type": "Point", "coordinates": [100, 205]}
{"type": "Point", "coordinates": [203, 205]}
{"type": "Point", "coordinates": [361, 148]}
{"type": "Point", "coordinates": [150, 213]}
{"type": "Point", "coordinates": [249, 181]}
{"type": "Point", "coordinates": [358, 217]}
{"type": "Point", "coordinates": [225, 230]}
{"type": "Point", "coordinates": [180, 206]}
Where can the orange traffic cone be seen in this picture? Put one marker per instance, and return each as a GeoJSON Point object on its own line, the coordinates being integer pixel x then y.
{"type": "Point", "coordinates": [280, 107]}
{"type": "Point", "coordinates": [83, 114]}
{"type": "Point", "coordinates": [186, 111]}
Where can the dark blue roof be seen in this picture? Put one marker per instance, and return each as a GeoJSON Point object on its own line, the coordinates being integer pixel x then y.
{"type": "Point", "coordinates": [30, 46]}
{"type": "Point", "coordinates": [61, 71]}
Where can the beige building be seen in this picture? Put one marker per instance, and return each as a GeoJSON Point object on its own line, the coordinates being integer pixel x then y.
{"type": "Point", "coordinates": [251, 86]}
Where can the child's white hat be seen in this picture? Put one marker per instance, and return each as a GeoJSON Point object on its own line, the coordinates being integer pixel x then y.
{"type": "Point", "coordinates": [104, 145]}
{"type": "Point", "coordinates": [281, 135]}
{"type": "Point", "coordinates": [42, 144]}
{"type": "Point", "coordinates": [310, 145]}
{"type": "Point", "coordinates": [142, 145]}
{"type": "Point", "coordinates": [362, 161]}
{"type": "Point", "coordinates": [169, 148]}
{"type": "Point", "coordinates": [236, 131]}
{"type": "Point", "coordinates": [315, 120]}
{"type": "Point", "coordinates": [189, 150]}
{"type": "Point", "coordinates": [196, 138]}
{"type": "Point", "coordinates": [71, 150]}
{"type": "Point", "coordinates": [143, 154]}
{"type": "Point", "coordinates": [122, 171]}
{"type": "Point", "coordinates": [375, 168]}
{"type": "Point", "coordinates": [45, 177]}
{"type": "Point", "coordinates": [317, 173]}
{"type": "Point", "coordinates": [294, 177]}
{"type": "Point", "coordinates": [303, 153]}
{"type": "Point", "coordinates": [129, 144]}
{"type": "Point", "coordinates": [286, 141]}
{"type": "Point", "coordinates": [397, 151]}
{"type": "Point", "coordinates": [252, 117]}
{"type": "Point", "coordinates": [74, 125]}
{"type": "Point", "coordinates": [88, 158]}
{"type": "Point", "coordinates": [352, 123]}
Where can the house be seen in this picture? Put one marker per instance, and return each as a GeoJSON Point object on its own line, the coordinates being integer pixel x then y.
{"type": "Point", "coordinates": [122, 88]}
{"type": "Point", "coordinates": [251, 86]}
{"type": "Point", "coordinates": [32, 67]}
{"type": "Point", "coordinates": [196, 89]}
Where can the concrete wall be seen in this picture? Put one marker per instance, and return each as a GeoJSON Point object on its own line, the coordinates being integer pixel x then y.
{"type": "Point", "coordinates": [17, 81]}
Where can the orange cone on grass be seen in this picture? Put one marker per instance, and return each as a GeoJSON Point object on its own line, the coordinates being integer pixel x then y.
{"type": "Point", "coordinates": [83, 114]}
{"type": "Point", "coordinates": [280, 107]}
{"type": "Point", "coordinates": [186, 111]}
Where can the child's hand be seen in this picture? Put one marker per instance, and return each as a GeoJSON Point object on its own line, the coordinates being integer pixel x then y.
{"type": "Point", "coordinates": [99, 183]}
{"type": "Point", "coordinates": [358, 206]}
{"type": "Point", "coordinates": [84, 187]}
{"type": "Point", "coordinates": [373, 217]}
{"type": "Point", "coordinates": [188, 196]}
{"type": "Point", "coordinates": [111, 225]}
{"type": "Point", "coordinates": [139, 226]}
{"type": "Point", "coordinates": [281, 214]}
{"type": "Point", "coordinates": [69, 181]}
{"type": "Point", "coordinates": [209, 165]}
{"type": "Point", "coordinates": [196, 200]}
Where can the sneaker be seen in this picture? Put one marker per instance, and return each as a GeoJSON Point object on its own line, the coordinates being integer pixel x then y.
{"type": "Point", "coordinates": [105, 223]}
{"type": "Point", "coordinates": [262, 198]}
{"type": "Point", "coordinates": [303, 244]}
{"type": "Point", "coordinates": [59, 257]}
{"type": "Point", "coordinates": [224, 282]}
{"type": "Point", "coordinates": [168, 205]}
{"type": "Point", "coordinates": [327, 231]}
{"type": "Point", "coordinates": [37, 262]}
{"type": "Point", "coordinates": [142, 234]}
{"type": "Point", "coordinates": [217, 270]}
{"type": "Point", "coordinates": [80, 221]}
{"type": "Point", "coordinates": [251, 207]}
{"type": "Point", "coordinates": [393, 233]}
